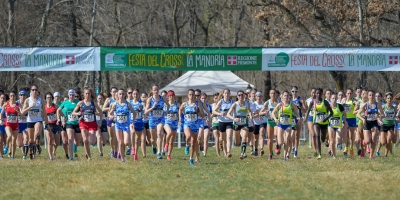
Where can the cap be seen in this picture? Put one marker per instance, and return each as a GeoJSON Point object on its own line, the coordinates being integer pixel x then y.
{"type": "Point", "coordinates": [56, 94]}
{"type": "Point", "coordinates": [22, 92]}
{"type": "Point", "coordinates": [71, 92]}
{"type": "Point", "coordinates": [171, 93]}
{"type": "Point", "coordinates": [259, 94]}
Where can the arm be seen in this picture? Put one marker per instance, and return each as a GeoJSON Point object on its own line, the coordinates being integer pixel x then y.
{"type": "Point", "coordinates": [76, 109]}
{"type": "Point", "coordinates": [304, 106]}
{"type": "Point", "coordinates": [262, 112]}
{"type": "Point", "coordinates": [216, 109]}
{"type": "Point", "coordinates": [26, 106]}
{"type": "Point", "coordinates": [308, 111]}
{"type": "Point", "coordinates": [329, 109]}
{"type": "Point", "coordinates": [229, 113]}
{"type": "Point", "coordinates": [106, 106]}
{"type": "Point", "coordinates": [44, 114]}
{"type": "Point", "coordinates": [180, 111]}
{"type": "Point", "coordinates": [111, 111]}
{"type": "Point", "coordinates": [360, 111]}
{"type": "Point", "coordinates": [296, 111]}
{"type": "Point", "coordinates": [201, 113]}
{"type": "Point", "coordinates": [274, 112]}
{"type": "Point", "coordinates": [381, 113]}
{"type": "Point", "coordinates": [99, 111]}
{"type": "Point", "coordinates": [132, 110]}
{"type": "Point", "coordinates": [250, 113]}
{"type": "Point", "coordinates": [2, 111]}
{"type": "Point", "coordinates": [148, 109]}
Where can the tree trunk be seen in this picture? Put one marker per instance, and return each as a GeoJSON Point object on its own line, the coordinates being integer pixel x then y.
{"type": "Point", "coordinates": [362, 74]}
{"type": "Point", "coordinates": [72, 21]}
{"type": "Point", "coordinates": [11, 39]}
{"type": "Point", "coordinates": [267, 85]}
{"type": "Point", "coordinates": [117, 18]}
{"type": "Point", "coordinates": [43, 23]}
{"type": "Point", "coordinates": [91, 42]}
{"type": "Point", "coordinates": [106, 82]}
{"type": "Point", "coordinates": [338, 77]}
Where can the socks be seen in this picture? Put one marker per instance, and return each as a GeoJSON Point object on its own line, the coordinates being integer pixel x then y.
{"type": "Point", "coordinates": [244, 144]}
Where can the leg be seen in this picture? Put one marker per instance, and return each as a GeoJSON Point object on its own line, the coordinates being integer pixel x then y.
{"type": "Point", "coordinates": [332, 140]}
{"type": "Point", "coordinates": [217, 141]}
{"type": "Point", "coordinates": [206, 140]}
{"type": "Point", "coordinates": [229, 134]}
{"type": "Point", "coordinates": [71, 138]}
{"type": "Point", "coordinates": [64, 138]}
{"type": "Point", "coordinates": [14, 142]}
{"type": "Point", "coordinates": [160, 136]}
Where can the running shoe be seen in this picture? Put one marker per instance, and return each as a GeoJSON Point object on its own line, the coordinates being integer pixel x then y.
{"type": "Point", "coordinates": [12, 158]}
{"type": "Point", "coordinates": [368, 150]}
{"type": "Point", "coordinates": [159, 156]}
{"type": "Point", "coordinates": [101, 154]}
{"type": "Point", "coordinates": [76, 155]}
{"type": "Point", "coordinates": [187, 149]}
{"type": "Point", "coordinates": [359, 152]}
{"type": "Point", "coordinates": [23, 157]}
{"type": "Point", "coordinates": [201, 147]}
{"type": "Point", "coordinates": [119, 156]}
{"type": "Point", "coordinates": [377, 153]}
{"type": "Point", "coordinates": [255, 153]}
{"type": "Point", "coordinates": [133, 151]}
{"type": "Point", "coordinates": [295, 153]}
{"type": "Point", "coordinates": [166, 148]}
{"type": "Point", "coordinates": [196, 159]}
{"type": "Point", "coordinates": [244, 155]}
{"type": "Point", "coordinates": [128, 152]}
{"type": "Point", "coordinates": [229, 154]}
{"type": "Point", "coordinates": [351, 152]}
{"type": "Point", "coordinates": [391, 155]}
{"type": "Point", "coordinates": [5, 149]}
{"type": "Point", "coordinates": [241, 157]}
{"type": "Point", "coordinates": [71, 159]}
{"type": "Point", "coordinates": [123, 160]}
{"type": "Point", "coordinates": [39, 149]}
{"type": "Point", "coordinates": [251, 150]}
{"type": "Point", "coordinates": [270, 157]}
{"type": "Point", "coordinates": [154, 150]}
{"type": "Point", "coordinates": [221, 147]}
{"type": "Point", "coordinates": [168, 157]}
{"type": "Point", "coordinates": [284, 159]}
{"type": "Point", "coordinates": [326, 143]}
{"type": "Point", "coordinates": [319, 157]}
{"type": "Point", "coordinates": [362, 154]}
{"type": "Point", "coordinates": [315, 154]}
{"type": "Point", "coordinates": [116, 154]}
{"type": "Point", "coordinates": [135, 158]}
{"type": "Point", "coordinates": [262, 152]}
{"type": "Point", "coordinates": [278, 150]}
{"type": "Point", "coordinates": [293, 149]}
{"type": "Point", "coordinates": [191, 161]}
{"type": "Point", "coordinates": [330, 153]}
{"type": "Point", "coordinates": [163, 153]}
{"type": "Point", "coordinates": [30, 156]}
{"type": "Point", "coordinates": [111, 154]}
{"type": "Point", "coordinates": [51, 159]}
{"type": "Point", "coordinates": [87, 157]}
{"type": "Point", "coordinates": [9, 154]}
{"type": "Point", "coordinates": [334, 157]}
{"type": "Point", "coordinates": [339, 146]}
{"type": "Point", "coordinates": [54, 153]}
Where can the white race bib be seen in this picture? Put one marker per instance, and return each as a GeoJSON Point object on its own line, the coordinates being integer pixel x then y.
{"type": "Point", "coordinates": [191, 117]}
{"type": "Point", "coordinates": [88, 117]}
{"type": "Point", "coordinates": [172, 116]}
{"type": "Point", "coordinates": [11, 118]}
{"type": "Point", "coordinates": [284, 120]}
{"type": "Point", "coordinates": [157, 112]}
{"type": "Point", "coordinates": [371, 117]}
{"type": "Point", "coordinates": [242, 121]}
{"type": "Point", "coordinates": [34, 113]}
{"type": "Point", "coordinates": [334, 121]}
{"type": "Point", "coordinates": [122, 118]}
{"type": "Point", "coordinates": [320, 117]}
{"type": "Point", "coordinates": [72, 118]}
{"type": "Point", "coordinates": [52, 117]}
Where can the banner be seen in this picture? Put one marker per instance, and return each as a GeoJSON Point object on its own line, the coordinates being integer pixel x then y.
{"type": "Point", "coordinates": [331, 59]}
{"type": "Point", "coordinates": [50, 59]}
{"type": "Point", "coordinates": [180, 59]}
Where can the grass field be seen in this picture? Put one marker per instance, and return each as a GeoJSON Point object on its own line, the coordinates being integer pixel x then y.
{"type": "Point", "coordinates": [212, 178]}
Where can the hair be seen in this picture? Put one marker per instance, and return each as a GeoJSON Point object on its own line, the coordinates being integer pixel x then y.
{"type": "Point", "coordinates": [204, 94]}
{"type": "Point", "coordinates": [13, 92]}
{"type": "Point", "coordinates": [340, 91]}
{"type": "Point", "coordinates": [190, 90]}
{"type": "Point", "coordinates": [277, 92]}
{"type": "Point", "coordinates": [143, 93]}
{"type": "Point", "coordinates": [240, 91]}
{"type": "Point", "coordinates": [100, 94]}
{"type": "Point", "coordinates": [91, 93]}
{"type": "Point", "coordinates": [1, 90]}
{"type": "Point", "coordinates": [226, 89]}
{"type": "Point", "coordinates": [365, 89]}
{"type": "Point", "coordinates": [359, 88]}
{"type": "Point", "coordinates": [254, 89]}
{"type": "Point", "coordinates": [321, 91]}
{"type": "Point", "coordinates": [285, 91]}
{"type": "Point", "coordinates": [297, 88]}
{"type": "Point", "coordinates": [221, 94]}
{"type": "Point", "coordinates": [197, 90]}
{"type": "Point", "coordinates": [328, 90]}
{"type": "Point", "coordinates": [388, 93]}
{"type": "Point", "coordinates": [165, 92]}
{"type": "Point", "coordinates": [5, 96]}
{"type": "Point", "coordinates": [349, 89]}
{"type": "Point", "coordinates": [35, 86]}
{"type": "Point", "coordinates": [373, 92]}
{"type": "Point", "coordinates": [49, 93]}
{"type": "Point", "coordinates": [380, 94]}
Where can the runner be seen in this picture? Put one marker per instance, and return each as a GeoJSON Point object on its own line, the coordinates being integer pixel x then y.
{"type": "Point", "coordinates": [285, 111]}
{"type": "Point", "coordinates": [266, 110]}
{"type": "Point", "coordinates": [154, 107]}
{"type": "Point", "coordinates": [388, 135]}
{"type": "Point", "coordinates": [171, 122]}
{"type": "Point", "coordinates": [373, 110]}
{"type": "Point", "coordinates": [191, 111]}
{"type": "Point", "coordinates": [310, 124]}
{"type": "Point", "coordinates": [350, 126]}
{"type": "Point", "coordinates": [301, 106]}
{"type": "Point", "coordinates": [111, 124]}
{"type": "Point", "coordinates": [146, 133]}
{"type": "Point", "coordinates": [259, 124]}
{"type": "Point", "coordinates": [51, 128]}
{"type": "Point", "coordinates": [335, 124]}
{"type": "Point", "coordinates": [241, 117]}
{"type": "Point", "coordinates": [70, 122]}
{"type": "Point", "coordinates": [101, 133]}
{"type": "Point", "coordinates": [57, 102]}
{"type": "Point", "coordinates": [138, 138]}
{"type": "Point", "coordinates": [321, 108]}
{"type": "Point", "coordinates": [23, 126]}
{"type": "Point", "coordinates": [225, 125]}
{"type": "Point", "coordinates": [359, 134]}
{"type": "Point", "coordinates": [87, 123]}
{"type": "Point", "coordinates": [3, 136]}
{"type": "Point", "coordinates": [207, 122]}
{"type": "Point", "coordinates": [250, 134]}
{"type": "Point", "coordinates": [35, 107]}
{"type": "Point", "coordinates": [218, 144]}
{"type": "Point", "coordinates": [120, 111]}
{"type": "Point", "coordinates": [11, 110]}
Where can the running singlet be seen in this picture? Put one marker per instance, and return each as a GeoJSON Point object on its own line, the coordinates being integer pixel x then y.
{"type": "Point", "coordinates": [260, 119]}
{"type": "Point", "coordinates": [11, 113]}
{"type": "Point", "coordinates": [172, 115]}
{"type": "Point", "coordinates": [241, 113]}
{"type": "Point", "coordinates": [349, 109]}
{"type": "Point", "coordinates": [297, 100]}
{"type": "Point", "coordinates": [308, 101]}
{"type": "Point", "coordinates": [371, 113]}
{"type": "Point", "coordinates": [138, 107]}
{"type": "Point", "coordinates": [320, 112]}
{"type": "Point", "coordinates": [224, 107]}
{"type": "Point", "coordinates": [35, 114]}
{"type": "Point", "coordinates": [390, 115]}
{"type": "Point", "coordinates": [270, 109]}
{"type": "Point", "coordinates": [335, 121]}
{"type": "Point", "coordinates": [214, 120]}
{"type": "Point", "coordinates": [67, 107]}
{"type": "Point", "coordinates": [20, 119]}
{"type": "Point", "coordinates": [51, 114]}
{"type": "Point", "coordinates": [88, 112]}
{"type": "Point", "coordinates": [122, 115]}
{"type": "Point", "coordinates": [191, 117]}
{"type": "Point", "coordinates": [206, 117]}
{"type": "Point", "coordinates": [158, 111]}
{"type": "Point", "coordinates": [286, 114]}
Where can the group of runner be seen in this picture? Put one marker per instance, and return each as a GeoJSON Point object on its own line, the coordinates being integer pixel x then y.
{"type": "Point", "coordinates": [132, 119]}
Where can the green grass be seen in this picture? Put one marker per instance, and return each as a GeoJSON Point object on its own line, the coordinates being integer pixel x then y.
{"type": "Point", "coordinates": [211, 178]}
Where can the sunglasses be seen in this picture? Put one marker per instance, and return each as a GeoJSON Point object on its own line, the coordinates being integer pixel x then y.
{"type": "Point", "coordinates": [22, 95]}
{"type": "Point", "coordinates": [294, 91]}
{"type": "Point", "coordinates": [130, 92]}
{"type": "Point", "coordinates": [48, 97]}
{"type": "Point", "coordinates": [239, 95]}
{"type": "Point", "coordinates": [33, 89]}
{"type": "Point", "coordinates": [76, 96]}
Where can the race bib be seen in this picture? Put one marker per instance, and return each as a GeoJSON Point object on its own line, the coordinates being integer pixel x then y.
{"type": "Point", "coordinates": [242, 121]}
{"type": "Point", "coordinates": [88, 117]}
{"type": "Point", "coordinates": [269, 115]}
{"type": "Point", "coordinates": [284, 120]}
{"type": "Point", "coordinates": [191, 117]}
{"type": "Point", "coordinates": [346, 108]}
{"type": "Point", "coordinates": [214, 119]}
{"type": "Point", "coordinates": [52, 117]}
{"type": "Point", "coordinates": [371, 117]}
{"type": "Point", "coordinates": [139, 115]}
{"type": "Point", "coordinates": [320, 117]}
{"type": "Point", "coordinates": [172, 116]}
{"type": "Point", "coordinates": [389, 116]}
{"type": "Point", "coordinates": [97, 118]}
{"type": "Point", "coordinates": [11, 118]}
{"type": "Point", "coordinates": [334, 121]}
{"type": "Point", "coordinates": [122, 118]}
{"type": "Point", "coordinates": [260, 118]}
{"type": "Point", "coordinates": [34, 113]}
{"type": "Point", "coordinates": [72, 118]}
{"type": "Point", "coordinates": [19, 118]}
{"type": "Point", "coordinates": [157, 112]}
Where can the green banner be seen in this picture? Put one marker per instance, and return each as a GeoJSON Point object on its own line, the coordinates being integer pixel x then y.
{"type": "Point", "coordinates": [180, 59]}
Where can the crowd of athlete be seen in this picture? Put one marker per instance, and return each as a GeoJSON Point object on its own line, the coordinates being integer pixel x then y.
{"type": "Point", "coordinates": [131, 120]}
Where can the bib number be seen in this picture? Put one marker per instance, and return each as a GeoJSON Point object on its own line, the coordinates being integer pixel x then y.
{"type": "Point", "coordinates": [172, 116]}
{"type": "Point", "coordinates": [72, 118]}
{"type": "Point", "coordinates": [191, 117]}
{"type": "Point", "coordinates": [284, 120]}
{"type": "Point", "coordinates": [52, 117]}
{"type": "Point", "coordinates": [88, 117]}
{"type": "Point", "coordinates": [242, 121]}
{"type": "Point", "coordinates": [389, 116]}
{"type": "Point", "coordinates": [371, 117]}
{"type": "Point", "coordinates": [214, 119]}
{"type": "Point", "coordinates": [157, 113]}
{"type": "Point", "coordinates": [34, 113]}
{"type": "Point", "coordinates": [320, 117]}
{"type": "Point", "coordinates": [122, 118]}
{"type": "Point", "coordinates": [335, 121]}
{"type": "Point", "coordinates": [346, 108]}
{"type": "Point", "coordinates": [12, 118]}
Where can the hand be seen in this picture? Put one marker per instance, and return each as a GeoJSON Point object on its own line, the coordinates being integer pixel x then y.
{"type": "Point", "coordinates": [276, 121]}
{"type": "Point", "coordinates": [63, 124]}
{"type": "Point", "coordinates": [326, 119]}
{"type": "Point", "coordinates": [236, 120]}
{"type": "Point", "coordinates": [364, 122]}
